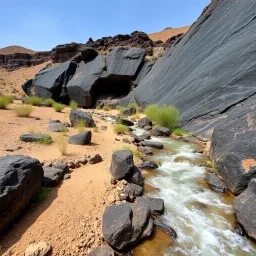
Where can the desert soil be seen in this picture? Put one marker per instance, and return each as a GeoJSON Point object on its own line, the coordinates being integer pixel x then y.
{"type": "Point", "coordinates": [71, 215]}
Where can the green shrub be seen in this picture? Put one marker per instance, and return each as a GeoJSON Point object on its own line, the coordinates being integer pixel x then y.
{"type": "Point", "coordinates": [120, 129]}
{"type": "Point", "coordinates": [58, 107]}
{"type": "Point", "coordinates": [96, 129]}
{"type": "Point", "coordinates": [167, 116]}
{"type": "Point", "coordinates": [107, 108]}
{"type": "Point", "coordinates": [133, 105]}
{"type": "Point", "coordinates": [40, 196]}
{"type": "Point", "coordinates": [34, 100]}
{"type": "Point", "coordinates": [178, 132]}
{"type": "Point", "coordinates": [73, 104]}
{"type": "Point", "coordinates": [98, 108]}
{"type": "Point", "coordinates": [5, 101]}
{"type": "Point", "coordinates": [136, 115]}
{"type": "Point", "coordinates": [118, 107]}
{"type": "Point", "coordinates": [23, 110]}
{"type": "Point", "coordinates": [49, 102]}
{"type": "Point", "coordinates": [80, 125]}
{"type": "Point", "coordinates": [46, 139]}
{"type": "Point", "coordinates": [23, 95]}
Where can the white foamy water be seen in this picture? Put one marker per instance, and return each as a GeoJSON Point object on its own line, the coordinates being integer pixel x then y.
{"type": "Point", "coordinates": [202, 218]}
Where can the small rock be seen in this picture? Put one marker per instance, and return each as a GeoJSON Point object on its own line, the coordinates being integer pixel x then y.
{"type": "Point", "coordinates": [95, 159]}
{"type": "Point", "coordinates": [103, 128]}
{"type": "Point", "coordinates": [143, 122]}
{"type": "Point", "coordinates": [148, 165]}
{"type": "Point", "coordinates": [161, 131]}
{"type": "Point", "coordinates": [67, 176]}
{"type": "Point", "coordinates": [62, 166]}
{"type": "Point", "coordinates": [102, 251]}
{"type": "Point", "coordinates": [40, 249]}
{"type": "Point", "coordinates": [152, 144]}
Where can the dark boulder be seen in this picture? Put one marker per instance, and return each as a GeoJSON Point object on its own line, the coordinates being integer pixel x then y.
{"type": "Point", "coordinates": [102, 251]}
{"type": "Point", "coordinates": [121, 164]}
{"type": "Point", "coordinates": [148, 165]}
{"type": "Point", "coordinates": [135, 177]}
{"type": "Point", "coordinates": [81, 88]}
{"type": "Point", "coordinates": [161, 131]}
{"type": "Point", "coordinates": [124, 121]}
{"type": "Point", "coordinates": [34, 137]}
{"type": "Point", "coordinates": [27, 87]}
{"type": "Point", "coordinates": [124, 225]}
{"type": "Point", "coordinates": [152, 144]}
{"type": "Point", "coordinates": [129, 111]}
{"type": "Point", "coordinates": [20, 178]}
{"type": "Point", "coordinates": [88, 53]}
{"type": "Point", "coordinates": [78, 115]}
{"type": "Point", "coordinates": [52, 176]}
{"type": "Point", "coordinates": [62, 53]}
{"type": "Point", "coordinates": [95, 159]}
{"type": "Point", "coordinates": [144, 122]}
{"type": "Point", "coordinates": [57, 127]}
{"type": "Point", "coordinates": [83, 138]}
{"type": "Point", "coordinates": [245, 207]}
{"type": "Point", "coordinates": [216, 183]}
{"type": "Point", "coordinates": [51, 82]}
{"type": "Point", "coordinates": [62, 166]}
{"type": "Point", "coordinates": [156, 205]}
{"type": "Point", "coordinates": [133, 191]}
{"type": "Point", "coordinates": [146, 150]}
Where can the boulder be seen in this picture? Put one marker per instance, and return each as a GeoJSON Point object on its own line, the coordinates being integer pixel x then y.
{"type": "Point", "coordinates": [51, 82]}
{"type": "Point", "coordinates": [148, 165]}
{"type": "Point", "coordinates": [88, 53]}
{"type": "Point", "coordinates": [83, 138]}
{"type": "Point", "coordinates": [81, 88]}
{"type": "Point", "coordinates": [133, 191]}
{"type": "Point", "coordinates": [39, 249]}
{"type": "Point", "coordinates": [20, 179]}
{"type": "Point", "coordinates": [62, 166]}
{"type": "Point", "coordinates": [102, 251]}
{"type": "Point", "coordinates": [161, 131]}
{"type": "Point", "coordinates": [152, 144]}
{"type": "Point", "coordinates": [124, 225]}
{"type": "Point", "coordinates": [135, 177]}
{"type": "Point", "coordinates": [129, 111]}
{"type": "Point", "coordinates": [146, 150]}
{"type": "Point", "coordinates": [245, 207]}
{"type": "Point", "coordinates": [63, 52]}
{"type": "Point", "coordinates": [121, 164]}
{"type": "Point", "coordinates": [77, 115]}
{"type": "Point", "coordinates": [144, 122]}
{"type": "Point", "coordinates": [27, 87]}
{"type": "Point", "coordinates": [95, 159]}
{"type": "Point", "coordinates": [124, 121]}
{"type": "Point", "coordinates": [57, 127]}
{"type": "Point", "coordinates": [216, 183]}
{"type": "Point", "coordinates": [124, 62]}
{"type": "Point", "coordinates": [34, 137]}
{"type": "Point", "coordinates": [52, 176]}
{"type": "Point", "coordinates": [156, 205]}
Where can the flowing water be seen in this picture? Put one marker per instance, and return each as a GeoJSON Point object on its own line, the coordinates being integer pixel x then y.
{"type": "Point", "coordinates": [202, 218]}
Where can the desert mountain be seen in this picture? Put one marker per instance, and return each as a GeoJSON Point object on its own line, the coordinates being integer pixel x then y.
{"type": "Point", "coordinates": [15, 49]}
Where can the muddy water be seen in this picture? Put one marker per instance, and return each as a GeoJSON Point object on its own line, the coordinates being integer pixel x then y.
{"type": "Point", "coordinates": [203, 219]}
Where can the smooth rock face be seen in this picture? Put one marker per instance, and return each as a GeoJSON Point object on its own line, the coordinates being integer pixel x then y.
{"type": "Point", "coordinates": [216, 183]}
{"type": "Point", "coordinates": [77, 115]}
{"type": "Point", "coordinates": [40, 249]}
{"type": "Point", "coordinates": [83, 138]}
{"type": "Point", "coordinates": [51, 82]}
{"type": "Point", "coordinates": [245, 208]}
{"type": "Point", "coordinates": [143, 71]}
{"type": "Point", "coordinates": [124, 62]}
{"type": "Point", "coordinates": [81, 88]}
{"type": "Point", "coordinates": [233, 149]}
{"type": "Point", "coordinates": [34, 137]}
{"type": "Point", "coordinates": [144, 122]}
{"type": "Point", "coordinates": [102, 251]}
{"type": "Point", "coordinates": [20, 178]}
{"type": "Point", "coordinates": [121, 164]}
{"type": "Point", "coordinates": [152, 144]}
{"type": "Point", "coordinates": [27, 87]}
{"type": "Point", "coordinates": [52, 176]}
{"type": "Point", "coordinates": [161, 131]}
{"type": "Point", "coordinates": [126, 224]}
{"type": "Point", "coordinates": [207, 72]}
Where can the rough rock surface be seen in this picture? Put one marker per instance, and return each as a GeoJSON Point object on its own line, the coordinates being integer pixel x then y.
{"type": "Point", "coordinates": [135, 177]}
{"type": "Point", "coordinates": [148, 165]}
{"type": "Point", "coordinates": [161, 131]}
{"type": "Point", "coordinates": [245, 207]}
{"type": "Point", "coordinates": [144, 122]}
{"type": "Point", "coordinates": [39, 249]}
{"type": "Point", "coordinates": [124, 121]}
{"type": "Point", "coordinates": [156, 205]}
{"type": "Point", "coordinates": [52, 176]}
{"type": "Point", "coordinates": [83, 138]}
{"type": "Point", "coordinates": [57, 127]}
{"type": "Point", "coordinates": [216, 183]}
{"type": "Point", "coordinates": [20, 178]}
{"type": "Point", "coordinates": [88, 53]}
{"type": "Point", "coordinates": [51, 82]}
{"type": "Point", "coordinates": [95, 159]}
{"type": "Point", "coordinates": [126, 224]}
{"type": "Point", "coordinates": [207, 73]}
{"type": "Point", "coordinates": [102, 251]}
{"type": "Point", "coordinates": [34, 137]}
{"type": "Point", "coordinates": [77, 115]}
{"type": "Point", "coordinates": [27, 87]}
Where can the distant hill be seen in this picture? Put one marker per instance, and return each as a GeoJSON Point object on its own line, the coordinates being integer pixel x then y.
{"type": "Point", "coordinates": [167, 33]}
{"type": "Point", "coordinates": [15, 49]}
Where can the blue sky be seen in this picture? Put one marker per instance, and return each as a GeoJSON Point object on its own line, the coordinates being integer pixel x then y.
{"type": "Point", "coordinates": [41, 25]}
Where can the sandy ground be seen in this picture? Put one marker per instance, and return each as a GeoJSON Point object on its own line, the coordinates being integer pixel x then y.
{"type": "Point", "coordinates": [71, 215]}
{"type": "Point", "coordinates": [166, 34]}
{"type": "Point", "coordinates": [10, 82]}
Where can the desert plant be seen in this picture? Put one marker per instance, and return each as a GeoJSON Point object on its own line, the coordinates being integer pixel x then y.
{"type": "Point", "coordinates": [23, 95]}
{"type": "Point", "coordinates": [118, 107]}
{"type": "Point", "coordinates": [73, 104]}
{"type": "Point", "coordinates": [49, 102]}
{"type": "Point", "coordinates": [58, 107]}
{"type": "Point", "coordinates": [121, 111]}
{"type": "Point", "coordinates": [136, 115]}
{"type": "Point", "coordinates": [96, 129]}
{"type": "Point", "coordinates": [136, 153]}
{"type": "Point", "coordinates": [62, 143]}
{"type": "Point", "coordinates": [40, 196]}
{"type": "Point", "coordinates": [46, 139]}
{"type": "Point", "coordinates": [167, 116]}
{"type": "Point", "coordinates": [120, 129]}
{"type": "Point", "coordinates": [178, 132]}
{"type": "Point", "coordinates": [133, 105]}
{"type": "Point", "coordinates": [98, 108]}
{"type": "Point", "coordinates": [107, 108]}
{"type": "Point", "coordinates": [80, 125]}
{"type": "Point", "coordinates": [34, 100]}
{"type": "Point", "coordinates": [5, 101]}
{"type": "Point", "coordinates": [23, 110]}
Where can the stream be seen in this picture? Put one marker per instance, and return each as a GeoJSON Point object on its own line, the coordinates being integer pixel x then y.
{"type": "Point", "coordinates": [203, 219]}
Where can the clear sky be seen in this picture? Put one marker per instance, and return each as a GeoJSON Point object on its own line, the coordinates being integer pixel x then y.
{"type": "Point", "coordinates": [41, 25]}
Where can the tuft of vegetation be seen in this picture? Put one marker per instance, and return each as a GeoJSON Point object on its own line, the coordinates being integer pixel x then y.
{"type": "Point", "coordinates": [34, 100]}
{"type": "Point", "coordinates": [5, 101]}
{"type": "Point", "coordinates": [96, 129]}
{"type": "Point", "coordinates": [120, 129]}
{"type": "Point", "coordinates": [121, 111]}
{"type": "Point", "coordinates": [23, 95]}
{"type": "Point", "coordinates": [118, 107]}
{"type": "Point", "coordinates": [98, 108]}
{"type": "Point", "coordinates": [23, 110]}
{"type": "Point", "coordinates": [46, 139]}
{"type": "Point", "coordinates": [40, 196]}
{"type": "Point", "coordinates": [212, 164]}
{"type": "Point", "coordinates": [48, 102]}
{"type": "Point", "coordinates": [136, 115]}
{"type": "Point", "coordinates": [80, 125]}
{"type": "Point", "coordinates": [62, 143]}
{"type": "Point", "coordinates": [58, 107]}
{"type": "Point", "coordinates": [73, 104]}
{"type": "Point", "coordinates": [133, 105]}
{"type": "Point", "coordinates": [190, 133]}
{"type": "Point", "coordinates": [136, 153]}
{"type": "Point", "coordinates": [167, 116]}
{"type": "Point", "coordinates": [178, 132]}
{"type": "Point", "coordinates": [107, 108]}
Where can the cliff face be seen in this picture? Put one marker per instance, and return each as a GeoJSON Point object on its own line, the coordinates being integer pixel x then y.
{"type": "Point", "coordinates": [211, 70]}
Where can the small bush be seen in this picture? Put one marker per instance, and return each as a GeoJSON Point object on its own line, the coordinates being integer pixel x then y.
{"type": "Point", "coordinates": [96, 129]}
{"type": "Point", "coordinates": [40, 196]}
{"type": "Point", "coordinates": [23, 95]}
{"type": "Point", "coordinates": [118, 107]}
{"type": "Point", "coordinates": [45, 140]}
{"type": "Point", "coordinates": [23, 110]}
{"type": "Point", "coordinates": [133, 105]}
{"type": "Point", "coordinates": [80, 125]}
{"type": "Point", "coordinates": [167, 116]}
{"type": "Point", "coordinates": [120, 129]}
{"type": "Point", "coordinates": [136, 116]}
{"type": "Point", "coordinates": [62, 144]}
{"type": "Point", "coordinates": [34, 100]}
{"type": "Point", "coordinates": [73, 104]}
{"type": "Point", "coordinates": [190, 133]}
{"type": "Point", "coordinates": [49, 102]}
{"type": "Point", "coordinates": [107, 108]}
{"type": "Point", "coordinates": [178, 132]}
{"type": "Point", "coordinates": [58, 107]}
{"type": "Point", "coordinates": [5, 101]}
{"type": "Point", "coordinates": [98, 108]}
{"type": "Point", "coordinates": [121, 111]}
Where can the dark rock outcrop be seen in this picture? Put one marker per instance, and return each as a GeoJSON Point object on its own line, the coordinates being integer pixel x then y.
{"type": "Point", "coordinates": [161, 131]}
{"type": "Point", "coordinates": [88, 53]}
{"type": "Point", "coordinates": [27, 87]}
{"type": "Point", "coordinates": [20, 178]}
{"type": "Point", "coordinates": [156, 205]}
{"type": "Point", "coordinates": [124, 121]}
{"type": "Point", "coordinates": [144, 122]}
{"type": "Point", "coordinates": [135, 177]}
{"type": "Point", "coordinates": [78, 115]}
{"type": "Point", "coordinates": [216, 183]}
{"type": "Point", "coordinates": [83, 138]}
